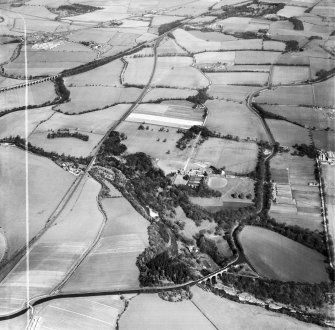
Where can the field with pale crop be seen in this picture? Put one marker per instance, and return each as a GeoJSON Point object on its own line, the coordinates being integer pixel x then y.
{"type": "Point", "coordinates": [105, 75]}
{"type": "Point", "coordinates": [47, 185]}
{"type": "Point", "coordinates": [151, 142]}
{"type": "Point", "coordinates": [14, 124]}
{"type": "Point", "coordinates": [196, 45]}
{"type": "Point", "coordinates": [227, 314]}
{"type": "Point", "coordinates": [96, 122]}
{"type": "Point", "coordinates": [328, 173]}
{"type": "Point", "coordinates": [37, 95]}
{"type": "Point", "coordinates": [111, 265]}
{"type": "Point", "coordinates": [94, 313]}
{"type": "Point", "coordinates": [307, 116]}
{"type": "Point", "coordinates": [168, 113]}
{"type": "Point", "coordinates": [89, 98]}
{"type": "Point", "coordinates": [170, 72]}
{"type": "Point", "coordinates": [240, 157]}
{"type": "Point", "coordinates": [149, 312]}
{"type": "Point", "coordinates": [215, 57]}
{"type": "Point", "coordinates": [278, 257]}
{"type": "Point", "coordinates": [289, 11]}
{"type": "Point", "coordinates": [289, 74]}
{"type": "Point", "coordinates": [168, 94]}
{"type": "Point", "coordinates": [239, 78]}
{"type": "Point", "coordinates": [235, 119]}
{"type": "Point", "coordinates": [211, 36]}
{"type": "Point", "coordinates": [67, 145]}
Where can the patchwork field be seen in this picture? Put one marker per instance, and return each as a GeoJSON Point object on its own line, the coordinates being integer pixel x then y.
{"type": "Point", "coordinates": [168, 113]}
{"type": "Point", "coordinates": [227, 314]}
{"type": "Point", "coordinates": [233, 118]}
{"type": "Point", "coordinates": [296, 203]}
{"type": "Point", "coordinates": [105, 75]}
{"type": "Point", "coordinates": [37, 95]}
{"type": "Point", "coordinates": [52, 256]}
{"type": "Point", "coordinates": [170, 72]}
{"type": "Point", "coordinates": [306, 116]}
{"type": "Point", "coordinates": [13, 124]}
{"type": "Point", "coordinates": [239, 78]}
{"type": "Point", "coordinates": [328, 173]}
{"type": "Point", "coordinates": [240, 157]}
{"type": "Point", "coordinates": [151, 142]}
{"type": "Point", "coordinates": [94, 313]}
{"type": "Point", "coordinates": [82, 100]}
{"type": "Point", "coordinates": [47, 185]}
{"type": "Point", "coordinates": [278, 257]}
{"type": "Point", "coordinates": [112, 262]}
{"type": "Point", "coordinates": [148, 311]}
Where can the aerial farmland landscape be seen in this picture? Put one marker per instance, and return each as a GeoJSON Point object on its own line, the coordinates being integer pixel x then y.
{"type": "Point", "coordinates": [167, 164]}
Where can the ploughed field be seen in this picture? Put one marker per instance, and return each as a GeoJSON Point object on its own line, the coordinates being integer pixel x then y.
{"type": "Point", "coordinates": [277, 257]}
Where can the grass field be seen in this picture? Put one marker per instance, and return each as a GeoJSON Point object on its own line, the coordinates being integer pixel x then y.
{"type": "Point", "coordinates": [169, 47]}
{"type": "Point", "coordinates": [47, 185]}
{"type": "Point", "coordinates": [233, 118]}
{"type": "Point", "coordinates": [82, 100]}
{"type": "Point", "coordinates": [168, 113]}
{"type": "Point", "coordinates": [239, 78]}
{"type": "Point", "coordinates": [288, 134]}
{"type": "Point", "coordinates": [240, 157]}
{"type": "Point", "coordinates": [7, 51]}
{"type": "Point", "coordinates": [106, 75]}
{"type": "Point", "coordinates": [211, 36]}
{"type": "Point", "coordinates": [215, 57]}
{"type": "Point", "coordinates": [170, 72]}
{"type": "Point", "coordinates": [94, 313]}
{"type": "Point", "coordinates": [256, 57]}
{"type": "Point", "coordinates": [233, 93]}
{"type": "Point", "coordinates": [227, 314]}
{"type": "Point", "coordinates": [54, 253]}
{"type": "Point", "coordinates": [37, 95]}
{"type": "Point", "coordinates": [149, 312]}
{"type": "Point", "coordinates": [13, 124]}
{"type": "Point", "coordinates": [324, 140]}
{"type": "Point", "coordinates": [67, 145]}
{"type": "Point", "coordinates": [278, 257]}
{"type": "Point", "coordinates": [307, 116]}
{"type": "Point", "coordinates": [289, 74]}
{"type": "Point", "coordinates": [293, 95]}
{"type": "Point", "coordinates": [112, 263]}
{"type": "Point", "coordinates": [324, 95]}
{"type": "Point", "coordinates": [146, 141]}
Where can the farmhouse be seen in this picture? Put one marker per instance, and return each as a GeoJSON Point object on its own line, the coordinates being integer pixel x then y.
{"type": "Point", "coordinates": [327, 157]}
{"type": "Point", "coordinates": [194, 181]}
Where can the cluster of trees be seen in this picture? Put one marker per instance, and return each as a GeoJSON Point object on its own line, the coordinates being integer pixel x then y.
{"type": "Point", "coordinates": [291, 293]}
{"type": "Point", "coordinates": [112, 145]}
{"type": "Point", "coordinates": [305, 150]}
{"type": "Point", "coordinates": [208, 246]}
{"type": "Point", "coordinates": [77, 8]}
{"type": "Point", "coordinates": [297, 24]}
{"type": "Point", "coordinates": [200, 98]}
{"type": "Point", "coordinates": [62, 92]}
{"type": "Point", "coordinates": [162, 267]}
{"type": "Point", "coordinates": [188, 135]}
{"type": "Point", "coordinates": [292, 46]}
{"type": "Point", "coordinates": [21, 143]}
{"type": "Point", "coordinates": [168, 26]}
{"type": "Point", "coordinates": [67, 133]}
{"type": "Point", "coordinates": [202, 190]}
